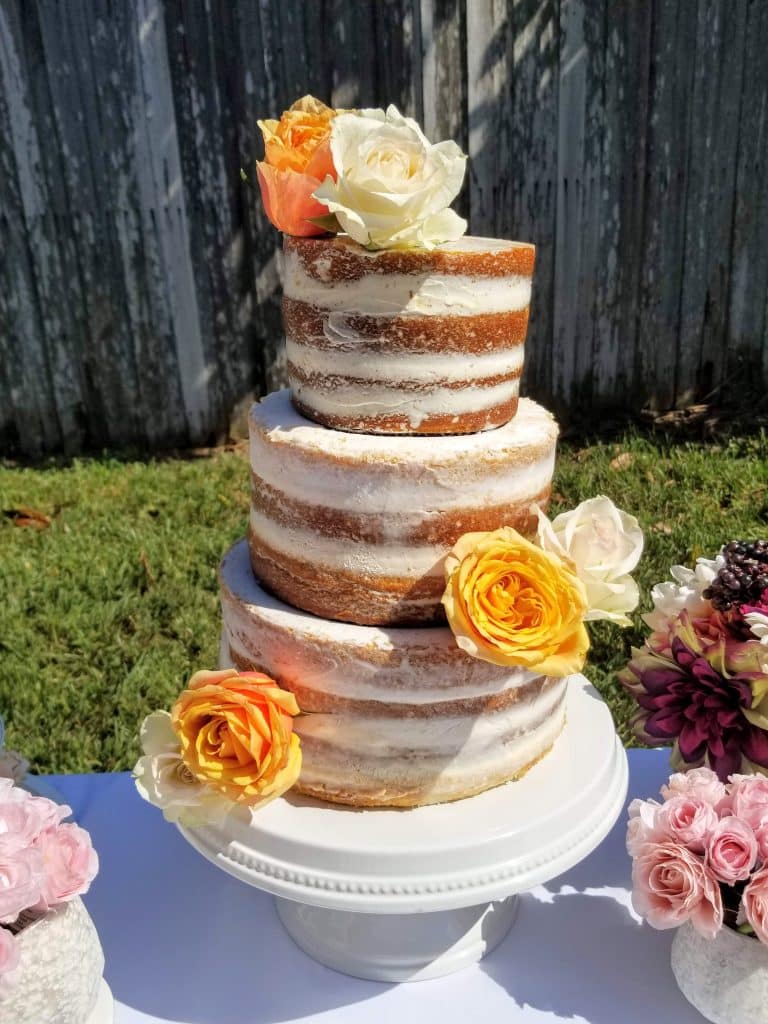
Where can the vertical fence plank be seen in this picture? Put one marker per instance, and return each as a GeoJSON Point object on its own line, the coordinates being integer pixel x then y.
{"type": "Point", "coordinates": [620, 212]}
{"type": "Point", "coordinates": [579, 170]}
{"type": "Point", "coordinates": [199, 53]}
{"type": "Point", "coordinates": [673, 59]}
{"type": "Point", "coordinates": [532, 160]}
{"type": "Point", "coordinates": [709, 208]}
{"type": "Point", "coordinates": [49, 291]}
{"type": "Point", "coordinates": [747, 348]}
{"type": "Point", "coordinates": [489, 45]}
{"type": "Point", "coordinates": [28, 420]}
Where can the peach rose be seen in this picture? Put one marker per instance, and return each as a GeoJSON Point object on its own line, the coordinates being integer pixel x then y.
{"type": "Point", "coordinates": [297, 160]}
{"type": "Point", "coordinates": [236, 734]}
{"type": "Point", "coordinates": [510, 603]}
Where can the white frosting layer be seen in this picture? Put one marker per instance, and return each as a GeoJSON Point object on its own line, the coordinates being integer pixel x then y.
{"type": "Point", "coordinates": [401, 367]}
{"type": "Point", "coordinates": [469, 735]}
{"type": "Point", "coordinates": [411, 478]}
{"type": "Point", "coordinates": [395, 665]}
{"type": "Point", "coordinates": [380, 559]}
{"type": "Point", "coordinates": [429, 294]}
{"type": "Point", "coordinates": [440, 776]}
{"type": "Point", "coordinates": [360, 400]}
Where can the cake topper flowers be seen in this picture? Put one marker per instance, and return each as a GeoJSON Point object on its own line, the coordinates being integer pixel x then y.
{"type": "Point", "coordinates": [228, 741]}
{"type": "Point", "coordinates": [514, 601]}
{"type": "Point", "coordinates": [701, 678]}
{"type": "Point", "coordinates": [370, 173]}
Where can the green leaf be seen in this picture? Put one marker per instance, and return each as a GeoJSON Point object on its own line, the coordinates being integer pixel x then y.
{"type": "Point", "coordinates": [327, 223]}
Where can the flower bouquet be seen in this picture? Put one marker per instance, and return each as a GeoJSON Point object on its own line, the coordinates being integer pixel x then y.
{"type": "Point", "coordinates": [701, 678]}
{"type": "Point", "coordinates": [370, 173]}
{"type": "Point", "coordinates": [51, 961]}
{"type": "Point", "coordinates": [700, 864]}
{"type": "Point", "coordinates": [227, 743]}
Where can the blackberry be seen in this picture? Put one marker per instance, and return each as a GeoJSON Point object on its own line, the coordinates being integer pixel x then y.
{"type": "Point", "coordinates": [743, 578]}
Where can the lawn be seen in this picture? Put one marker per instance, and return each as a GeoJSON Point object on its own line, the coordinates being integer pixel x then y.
{"type": "Point", "coordinates": [108, 608]}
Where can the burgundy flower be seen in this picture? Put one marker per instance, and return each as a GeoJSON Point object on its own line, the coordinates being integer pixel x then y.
{"type": "Point", "coordinates": [695, 697]}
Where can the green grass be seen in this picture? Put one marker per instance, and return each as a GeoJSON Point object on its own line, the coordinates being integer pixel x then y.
{"type": "Point", "coordinates": [106, 613]}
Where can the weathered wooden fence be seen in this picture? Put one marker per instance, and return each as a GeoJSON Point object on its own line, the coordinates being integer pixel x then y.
{"type": "Point", "coordinates": [138, 276]}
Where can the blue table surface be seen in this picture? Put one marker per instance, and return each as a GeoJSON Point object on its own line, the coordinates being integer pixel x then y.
{"type": "Point", "coordinates": [184, 942]}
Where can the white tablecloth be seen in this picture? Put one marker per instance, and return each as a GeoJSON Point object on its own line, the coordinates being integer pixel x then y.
{"type": "Point", "coordinates": [184, 942]}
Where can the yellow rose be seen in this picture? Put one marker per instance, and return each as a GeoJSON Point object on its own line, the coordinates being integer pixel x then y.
{"type": "Point", "coordinates": [236, 734]}
{"type": "Point", "coordinates": [510, 603]}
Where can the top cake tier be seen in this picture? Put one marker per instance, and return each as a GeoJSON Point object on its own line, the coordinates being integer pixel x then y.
{"type": "Point", "coordinates": [406, 341]}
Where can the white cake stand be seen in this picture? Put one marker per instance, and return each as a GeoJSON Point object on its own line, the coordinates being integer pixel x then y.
{"type": "Point", "coordinates": [404, 895]}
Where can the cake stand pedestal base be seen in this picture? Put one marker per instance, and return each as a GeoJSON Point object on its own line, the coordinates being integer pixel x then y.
{"type": "Point", "coordinates": [398, 947]}
{"type": "Point", "coordinates": [397, 895]}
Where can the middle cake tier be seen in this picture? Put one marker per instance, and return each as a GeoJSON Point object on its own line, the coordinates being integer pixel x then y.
{"type": "Point", "coordinates": [355, 527]}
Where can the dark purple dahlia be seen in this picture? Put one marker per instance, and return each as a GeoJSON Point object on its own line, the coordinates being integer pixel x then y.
{"type": "Point", "coordinates": [692, 699]}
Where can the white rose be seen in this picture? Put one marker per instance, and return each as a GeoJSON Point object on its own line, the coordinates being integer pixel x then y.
{"type": "Point", "coordinates": [164, 780]}
{"type": "Point", "coordinates": [605, 545]}
{"type": "Point", "coordinates": [683, 592]}
{"type": "Point", "coordinates": [394, 187]}
{"type": "Point", "coordinates": [758, 624]}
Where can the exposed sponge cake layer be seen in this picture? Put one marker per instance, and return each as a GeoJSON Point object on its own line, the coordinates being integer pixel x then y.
{"type": "Point", "coordinates": [355, 527]}
{"type": "Point", "coordinates": [391, 717]}
{"type": "Point", "coordinates": [406, 341]}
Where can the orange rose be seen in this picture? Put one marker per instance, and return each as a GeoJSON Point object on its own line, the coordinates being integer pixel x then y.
{"type": "Point", "coordinates": [236, 734]}
{"type": "Point", "coordinates": [510, 603]}
{"type": "Point", "coordinates": [296, 162]}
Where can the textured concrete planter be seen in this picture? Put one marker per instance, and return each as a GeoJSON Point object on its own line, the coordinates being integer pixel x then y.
{"type": "Point", "coordinates": [59, 978]}
{"type": "Point", "coordinates": [725, 978]}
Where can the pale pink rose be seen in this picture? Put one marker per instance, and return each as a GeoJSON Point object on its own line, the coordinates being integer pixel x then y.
{"type": "Point", "coordinates": [671, 885]}
{"type": "Point", "coordinates": [21, 880]}
{"type": "Point", "coordinates": [754, 903]}
{"type": "Point", "coordinates": [732, 850]}
{"type": "Point", "coordinates": [24, 816]}
{"type": "Point", "coordinates": [70, 863]}
{"type": "Point", "coordinates": [10, 955]}
{"type": "Point", "coordinates": [700, 783]}
{"type": "Point", "coordinates": [747, 799]}
{"type": "Point", "coordinates": [689, 820]}
{"type": "Point", "coordinates": [644, 825]}
{"type": "Point", "coordinates": [761, 837]}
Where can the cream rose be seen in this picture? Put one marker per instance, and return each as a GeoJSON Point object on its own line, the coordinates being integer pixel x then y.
{"type": "Point", "coordinates": [164, 780]}
{"type": "Point", "coordinates": [393, 187]}
{"type": "Point", "coordinates": [605, 545]}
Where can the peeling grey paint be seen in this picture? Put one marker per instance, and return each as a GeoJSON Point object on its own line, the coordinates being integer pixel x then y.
{"type": "Point", "coordinates": [139, 282]}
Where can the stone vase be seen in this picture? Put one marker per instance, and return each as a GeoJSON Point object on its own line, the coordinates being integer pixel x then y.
{"type": "Point", "coordinates": [725, 978]}
{"type": "Point", "coordinates": [59, 978]}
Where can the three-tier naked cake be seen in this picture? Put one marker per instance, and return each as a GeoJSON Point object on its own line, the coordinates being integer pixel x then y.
{"type": "Point", "coordinates": [402, 430]}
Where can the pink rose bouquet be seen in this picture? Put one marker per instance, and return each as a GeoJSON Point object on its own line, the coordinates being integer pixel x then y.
{"type": "Point", "coordinates": [43, 862]}
{"type": "Point", "coordinates": [701, 855]}
{"type": "Point", "coordinates": [701, 678]}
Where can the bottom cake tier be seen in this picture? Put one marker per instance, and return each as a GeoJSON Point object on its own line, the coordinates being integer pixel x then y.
{"type": "Point", "coordinates": [391, 716]}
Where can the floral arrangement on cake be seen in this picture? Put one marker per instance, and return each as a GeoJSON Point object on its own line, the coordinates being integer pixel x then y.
{"type": "Point", "coordinates": [512, 600]}
{"type": "Point", "coordinates": [701, 678]}
{"type": "Point", "coordinates": [702, 854]}
{"type": "Point", "coordinates": [227, 742]}
{"type": "Point", "coordinates": [370, 173]}
{"type": "Point", "coordinates": [44, 862]}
